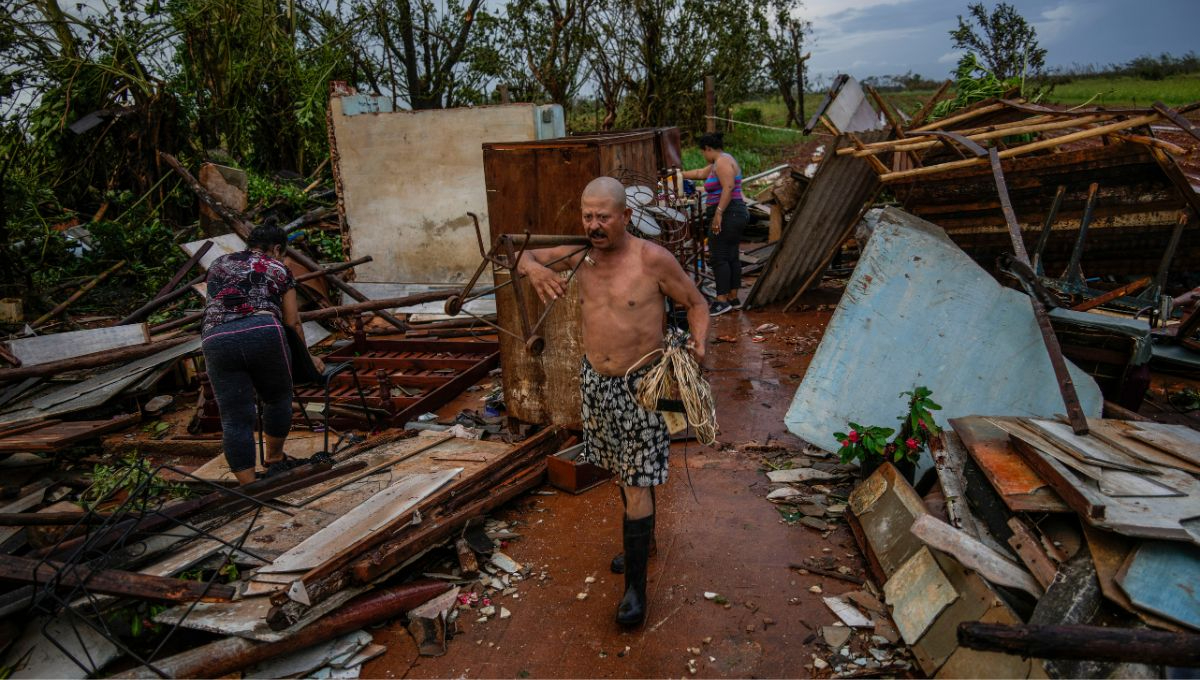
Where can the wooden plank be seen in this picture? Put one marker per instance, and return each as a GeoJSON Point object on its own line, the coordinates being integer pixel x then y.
{"type": "Point", "coordinates": [1116, 434]}
{"type": "Point", "coordinates": [1021, 433]}
{"type": "Point", "coordinates": [1161, 577]}
{"type": "Point", "coordinates": [1029, 549]}
{"type": "Point", "coordinates": [31, 495]}
{"type": "Point", "coordinates": [973, 554]}
{"type": "Point", "coordinates": [378, 512]}
{"type": "Point", "coordinates": [43, 349]}
{"type": "Point", "coordinates": [1180, 441]}
{"type": "Point", "coordinates": [1166, 517]}
{"type": "Point", "coordinates": [1088, 449]}
{"type": "Point", "coordinates": [59, 435]}
{"type": "Point", "coordinates": [423, 444]}
{"type": "Point", "coordinates": [918, 592]}
{"type": "Point", "coordinates": [1021, 489]}
{"type": "Point", "coordinates": [1109, 552]}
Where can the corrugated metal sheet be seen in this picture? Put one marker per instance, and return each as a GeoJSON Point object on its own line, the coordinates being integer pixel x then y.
{"type": "Point", "coordinates": [826, 214]}
{"type": "Point", "coordinates": [918, 311]}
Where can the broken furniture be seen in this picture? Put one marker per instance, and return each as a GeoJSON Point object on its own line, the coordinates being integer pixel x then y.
{"type": "Point", "coordinates": [402, 379]}
{"type": "Point", "coordinates": [505, 255]}
{"type": "Point", "coordinates": [534, 187]}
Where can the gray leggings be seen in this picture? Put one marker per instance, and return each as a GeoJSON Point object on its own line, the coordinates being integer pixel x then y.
{"type": "Point", "coordinates": [724, 256]}
{"type": "Point", "coordinates": [243, 357]}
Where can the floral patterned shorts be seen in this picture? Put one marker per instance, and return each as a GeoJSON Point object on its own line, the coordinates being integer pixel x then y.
{"type": "Point", "coordinates": [618, 434]}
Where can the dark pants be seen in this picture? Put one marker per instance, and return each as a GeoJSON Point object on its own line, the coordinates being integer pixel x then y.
{"type": "Point", "coordinates": [244, 357]}
{"type": "Point", "coordinates": [724, 256]}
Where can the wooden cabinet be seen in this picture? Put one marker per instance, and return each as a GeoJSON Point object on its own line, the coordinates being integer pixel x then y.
{"type": "Point", "coordinates": [535, 187]}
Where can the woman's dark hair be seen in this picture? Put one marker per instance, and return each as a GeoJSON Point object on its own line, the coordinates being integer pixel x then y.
{"type": "Point", "coordinates": [712, 140]}
{"type": "Point", "coordinates": [266, 235]}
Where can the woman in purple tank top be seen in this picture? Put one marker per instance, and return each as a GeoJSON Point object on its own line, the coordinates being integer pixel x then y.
{"type": "Point", "coordinates": [726, 215]}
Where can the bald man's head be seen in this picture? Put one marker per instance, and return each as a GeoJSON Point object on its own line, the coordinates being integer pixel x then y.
{"type": "Point", "coordinates": [604, 212]}
{"type": "Point", "coordinates": [608, 188]}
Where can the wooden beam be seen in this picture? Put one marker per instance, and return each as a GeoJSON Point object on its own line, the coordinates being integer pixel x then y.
{"type": "Point", "coordinates": [112, 581]}
{"type": "Point", "coordinates": [1097, 643]}
{"type": "Point", "coordinates": [1024, 149]}
{"type": "Point", "coordinates": [94, 360]}
{"type": "Point", "coordinates": [1127, 289]}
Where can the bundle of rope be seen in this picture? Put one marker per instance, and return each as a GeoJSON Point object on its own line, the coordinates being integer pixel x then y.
{"type": "Point", "coordinates": [678, 376]}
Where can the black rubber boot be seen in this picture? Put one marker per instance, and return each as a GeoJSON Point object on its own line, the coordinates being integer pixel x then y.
{"type": "Point", "coordinates": [637, 534]}
{"type": "Point", "coordinates": [617, 566]}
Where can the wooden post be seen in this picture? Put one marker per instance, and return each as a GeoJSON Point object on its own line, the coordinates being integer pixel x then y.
{"type": "Point", "coordinates": [710, 104]}
{"type": "Point", "coordinates": [504, 96]}
{"type": "Point", "coordinates": [1094, 643]}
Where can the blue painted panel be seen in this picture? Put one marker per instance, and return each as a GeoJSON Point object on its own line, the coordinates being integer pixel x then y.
{"type": "Point", "coordinates": [1163, 577]}
{"type": "Point", "coordinates": [919, 311]}
{"type": "Point", "coordinates": [357, 104]}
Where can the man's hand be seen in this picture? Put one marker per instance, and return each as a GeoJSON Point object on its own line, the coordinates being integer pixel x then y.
{"type": "Point", "coordinates": [318, 364]}
{"type": "Point", "coordinates": [697, 350]}
{"type": "Point", "coordinates": [544, 281]}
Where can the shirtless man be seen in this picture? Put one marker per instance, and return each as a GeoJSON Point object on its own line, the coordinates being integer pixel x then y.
{"type": "Point", "coordinates": [622, 287]}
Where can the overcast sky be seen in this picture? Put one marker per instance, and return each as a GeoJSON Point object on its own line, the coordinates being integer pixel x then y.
{"type": "Point", "coordinates": [884, 37]}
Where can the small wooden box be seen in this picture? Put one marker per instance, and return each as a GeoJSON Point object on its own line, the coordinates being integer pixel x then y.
{"type": "Point", "coordinates": [568, 473]}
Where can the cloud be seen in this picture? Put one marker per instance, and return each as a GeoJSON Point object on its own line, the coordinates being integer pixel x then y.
{"type": "Point", "coordinates": [1058, 21]}
{"type": "Point", "coordinates": [950, 57]}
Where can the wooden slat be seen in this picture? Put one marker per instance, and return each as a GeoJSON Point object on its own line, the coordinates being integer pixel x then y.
{"type": "Point", "coordinates": [1021, 489]}
{"type": "Point", "coordinates": [974, 555]}
{"type": "Point", "coordinates": [382, 510]}
{"type": "Point", "coordinates": [1178, 440]}
{"type": "Point", "coordinates": [59, 435]}
{"type": "Point", "coordinates": [1116, 433]}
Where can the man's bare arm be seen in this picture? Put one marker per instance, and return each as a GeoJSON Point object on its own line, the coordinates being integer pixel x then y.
{"type": "Point", "coordinates": [540, 264]}
{"type": "Point", "coordinates": [677, 285]}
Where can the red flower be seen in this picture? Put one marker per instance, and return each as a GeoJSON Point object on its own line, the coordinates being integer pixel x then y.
{"type": "Point", "coordinates": [912, 443]}
{"type": "Point", "coordinates": [853, 436]}
{"type": "Point", "coordinates": [921, 424]}
{"type": "Point", "coordinates": [846, 443]}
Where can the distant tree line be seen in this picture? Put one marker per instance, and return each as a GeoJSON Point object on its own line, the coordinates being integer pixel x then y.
{"type": "Point", "coordinates": [91, 92]}
{"type": "Point", "coordinates": [1145, 67]}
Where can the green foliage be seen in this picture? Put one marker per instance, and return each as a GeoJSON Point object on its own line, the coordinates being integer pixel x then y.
{"type": "Point", "coordinates": [262, 190]}
{"type": "Point", "coordinates": [328, 244]}
{"type": "Point", "coordinates": [973, 83]}
{"type": "Point", "coordinates": [917, 429]}
{"type": "Point", "coordinates": [1004, 40]}
{"type": "Point", "coordinates": [129, 475]}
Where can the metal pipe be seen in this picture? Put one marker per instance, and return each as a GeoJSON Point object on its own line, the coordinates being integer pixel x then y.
{"type": "Point", "coordinates": [1073, 274]}
{"type": "Point", "coordinates": [1044, 238]}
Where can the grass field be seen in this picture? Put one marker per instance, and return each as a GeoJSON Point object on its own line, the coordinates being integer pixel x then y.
{"type": "Point", "coordinates": [1173, 91]}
